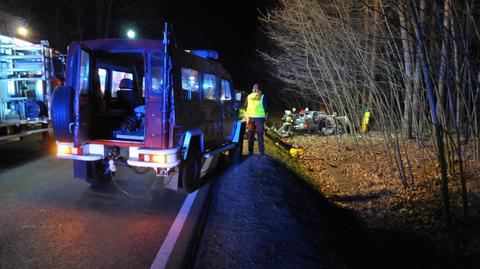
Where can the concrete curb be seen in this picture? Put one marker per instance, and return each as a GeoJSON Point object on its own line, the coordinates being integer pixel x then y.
{"type": "Point", "coordinates": [183, 254]}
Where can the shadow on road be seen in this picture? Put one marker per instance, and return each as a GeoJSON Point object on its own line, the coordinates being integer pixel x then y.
{"type": "Point", "coordinates": [18, 153]}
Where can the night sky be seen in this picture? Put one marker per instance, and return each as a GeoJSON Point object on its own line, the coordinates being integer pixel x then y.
{"type": "Point", "coordinates": [230, 27]}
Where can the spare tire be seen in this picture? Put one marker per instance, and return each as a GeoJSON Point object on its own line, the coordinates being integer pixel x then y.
{"type": "Point", "coordinates": [62, 113]}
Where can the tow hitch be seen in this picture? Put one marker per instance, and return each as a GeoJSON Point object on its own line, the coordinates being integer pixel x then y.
{"type": "Point", "coordinates": [111, 166]}
{"type": "Point", "coordinates": [162, 172]}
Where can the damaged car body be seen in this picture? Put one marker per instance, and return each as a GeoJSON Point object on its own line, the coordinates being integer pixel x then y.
{"type": "Point", "coordinates": [311, 122]}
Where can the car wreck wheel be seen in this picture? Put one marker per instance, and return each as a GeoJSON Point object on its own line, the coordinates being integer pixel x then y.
{"type": "Point", "coordinates": [190, 171]}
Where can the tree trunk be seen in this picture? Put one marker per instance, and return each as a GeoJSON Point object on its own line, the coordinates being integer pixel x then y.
{"type": "Point", "coordinates": [443, 63]}
{"type": "Point", "coordinates": [417, 111]}
{"type": "Point", "coordinates": [463, 183]}
{"type": "Point", "coordinates": [407, 116]}
{"type": "Point", "coordinates": [436, 123]}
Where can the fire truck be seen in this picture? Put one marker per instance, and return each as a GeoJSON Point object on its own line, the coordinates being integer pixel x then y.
{"type": "Point", "coordinates": [27, 74]}
{"type": "Point", "coordinates": [143, 104]}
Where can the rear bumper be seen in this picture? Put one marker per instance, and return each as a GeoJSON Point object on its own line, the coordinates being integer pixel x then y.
{"type": "Point", "coordinates": [80, 157]}
{"type": "Point", "coordinates": [170, 157]}
{"type": "Point", "coordinates": [164, 158]}
{"type": "Point", "coordinates": [137, 163]}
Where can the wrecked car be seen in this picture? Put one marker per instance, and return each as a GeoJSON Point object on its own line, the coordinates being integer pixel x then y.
{"type": "Point", "coordinates": [310, 122]}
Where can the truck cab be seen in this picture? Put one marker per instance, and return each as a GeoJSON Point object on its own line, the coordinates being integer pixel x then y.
{"type": "Point", "coordinates": [140, 103]}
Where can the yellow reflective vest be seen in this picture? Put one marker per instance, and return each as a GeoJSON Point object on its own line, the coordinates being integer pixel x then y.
{"type": "Point", "coordinates": [255, 107]}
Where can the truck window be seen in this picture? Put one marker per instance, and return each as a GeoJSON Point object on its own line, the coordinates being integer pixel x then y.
{"type": "Point", "coordinates": [84, 72]}
{"type": "Point", "coordinates": [226, 90]}
{"type": "Point", "coordinates": [117, 76]}
{"type": "Point", "coordinates": [190, 84]}
{"type": "Point", "coordinates": [102, 74]}
{"type": "Point", "coordinates": [209, 87]}
{"type": "Point", "coordinates": [58, 68]}
{"type": "Point", "coordinates": [157, 74]}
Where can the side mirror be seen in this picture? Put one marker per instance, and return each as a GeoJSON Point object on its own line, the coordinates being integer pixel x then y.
{"type": "Point", "coordinates": [238, 96]}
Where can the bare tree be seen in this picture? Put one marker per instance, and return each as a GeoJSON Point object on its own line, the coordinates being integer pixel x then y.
{"type": "Point", "coordinates": [419, 76]}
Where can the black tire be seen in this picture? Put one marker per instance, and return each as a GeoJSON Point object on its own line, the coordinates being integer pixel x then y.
{"type": "Point", "coordinates": [237, 152]}
{"type": "Point", "coordinates": [190, 170]}
{"type": "Point", "coordinates": [96, 175]}
{"type": "Point", "coordinates": [32, 109]}
{"type": "Point", "coordinates": [62, 113]}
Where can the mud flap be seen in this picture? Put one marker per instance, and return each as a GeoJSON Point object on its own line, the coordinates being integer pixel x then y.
{"type": "Point", "coordinates": [93, 172]}
{"type": "Point", "coordinates": [209, 164]}
{"type": "Point", "coordinates": [172, 182]}
{"type": "Point", "coordinates": [80, 169]}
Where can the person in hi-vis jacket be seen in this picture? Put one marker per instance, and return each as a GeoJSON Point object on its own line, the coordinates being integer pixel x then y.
{"type": "Point", "coordinates": [255, 114]}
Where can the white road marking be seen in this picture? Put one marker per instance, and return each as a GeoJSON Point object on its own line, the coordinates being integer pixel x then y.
{"type": "Point", "coordinates": [166, 249]}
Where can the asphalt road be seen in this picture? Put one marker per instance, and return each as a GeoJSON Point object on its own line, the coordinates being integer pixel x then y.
{"type": "Point", "coordinates": [50, 220]}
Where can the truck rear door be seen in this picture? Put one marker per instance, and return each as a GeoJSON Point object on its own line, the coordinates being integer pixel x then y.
{"type": "Point", "coordinates": [155, 132]}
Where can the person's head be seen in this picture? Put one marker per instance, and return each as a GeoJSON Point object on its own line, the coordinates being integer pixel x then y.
{"type": "Point", "coordinates": [257, 88]}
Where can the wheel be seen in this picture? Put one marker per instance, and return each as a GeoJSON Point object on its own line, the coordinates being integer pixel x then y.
{"type": "Point", "coordinates": [32, 109]}
{"type": "Point", "coordinates": [237, 152]}
{"type": "Point", "coordinates": [97, 174]}
{"type": "Point", "coordinates": [62, 113]}
{"type": "Point", "coordinates": [190, 170]}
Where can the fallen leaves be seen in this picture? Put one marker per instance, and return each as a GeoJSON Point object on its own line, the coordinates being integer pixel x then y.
{"type": "Point", "coordinates": [368, 173]}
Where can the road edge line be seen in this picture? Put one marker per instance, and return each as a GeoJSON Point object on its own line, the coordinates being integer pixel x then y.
{"type": "Point", "coordinates": [163, 255]}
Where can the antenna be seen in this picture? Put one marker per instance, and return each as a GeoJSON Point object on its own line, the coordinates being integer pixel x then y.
{"type": "Point", "coordinates": [166, 82]}
{"type": "Point", "coordinates": [166, 35]}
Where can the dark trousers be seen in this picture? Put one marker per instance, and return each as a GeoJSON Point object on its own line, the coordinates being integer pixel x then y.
{"type": "Point", "coordinates": [255, 125]}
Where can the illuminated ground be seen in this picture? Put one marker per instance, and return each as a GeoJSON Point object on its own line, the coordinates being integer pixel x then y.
{"type": "Point", "coordinates": [49, 220]}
